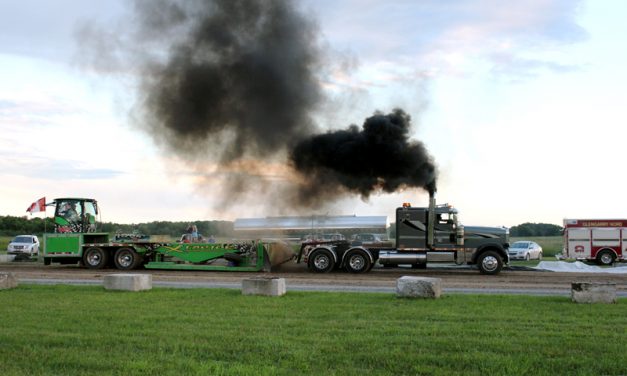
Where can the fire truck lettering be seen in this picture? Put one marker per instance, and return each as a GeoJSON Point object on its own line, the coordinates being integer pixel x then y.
{"type": "Point", "coordinates": [601, 224]}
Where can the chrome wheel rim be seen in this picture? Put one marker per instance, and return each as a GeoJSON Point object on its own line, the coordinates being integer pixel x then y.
{"type": "Point", "coordinates": [356, 262]}
{"type": "Point", "coordinates": [489, 263]}
{"type": "Point", "coordinates": [125, 260]}
{"type": "Point", "coordinates": [606, 258]}
{"type": "Point", "coordinates": [321, 262]}
{"type": "Point", "coordinates": [93, 258]}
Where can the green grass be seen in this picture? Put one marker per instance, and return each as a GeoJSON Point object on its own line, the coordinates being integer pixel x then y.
{"type": "Point", "coordinates": [4, 242]}
{"type": "Point", "coordinates": [72, 330]}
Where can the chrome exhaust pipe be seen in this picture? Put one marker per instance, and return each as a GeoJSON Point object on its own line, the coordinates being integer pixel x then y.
{"type": "Point", "coordinates": [395, 258]}
{"type": "Point", "coordinates": [431, 220]}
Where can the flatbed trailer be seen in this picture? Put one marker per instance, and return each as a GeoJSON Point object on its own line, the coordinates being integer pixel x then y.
{"type": "Point", "coordinates": [76, 241]}
{"type": "Point", "coordinates": [95, 251]}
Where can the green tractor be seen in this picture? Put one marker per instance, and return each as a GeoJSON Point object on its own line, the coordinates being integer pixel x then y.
{"type": "Point", "coordinates": [76, 240]}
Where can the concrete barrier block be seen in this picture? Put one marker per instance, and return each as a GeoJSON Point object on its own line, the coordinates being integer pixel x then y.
{"type": "Point", "coordinates": [267, 286]}
{"type": "Point", "coordinates": [128, 282]}
{"type": "Point", "coordinates": [7, 281]}
{"type": "Point", "coordinates": [593, 292]}
{"type": "Point", "coordinates": [418, 287]}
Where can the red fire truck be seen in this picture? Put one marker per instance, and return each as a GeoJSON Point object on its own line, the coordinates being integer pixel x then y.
{"type": "Point", "coordinates": [603, 241]}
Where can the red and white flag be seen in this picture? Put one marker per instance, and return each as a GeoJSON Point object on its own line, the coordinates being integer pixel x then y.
{"type": "Point", "coordinates": [37, 206]}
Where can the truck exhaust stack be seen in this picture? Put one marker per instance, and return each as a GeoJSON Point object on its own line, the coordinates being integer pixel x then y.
{"type": "Point", "coordinates": [431, 220]}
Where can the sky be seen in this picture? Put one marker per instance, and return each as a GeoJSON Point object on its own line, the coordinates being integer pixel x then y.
{"type": "Point", "coordinates": [522, 106]}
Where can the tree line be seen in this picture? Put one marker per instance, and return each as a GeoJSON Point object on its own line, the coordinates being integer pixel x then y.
{"type": "Point", "coordinates": [535, 229]}
{"type": "Point", "coordinates": [12, 225]}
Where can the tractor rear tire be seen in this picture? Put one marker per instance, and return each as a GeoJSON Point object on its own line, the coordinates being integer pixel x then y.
{"type": "Point", "coordinates": [126, 259]}
{"type": "Point", "coordinates": [95, 258]}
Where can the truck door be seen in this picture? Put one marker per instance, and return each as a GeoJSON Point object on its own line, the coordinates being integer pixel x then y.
{"type": "Point", "coordinates": [445, 235]}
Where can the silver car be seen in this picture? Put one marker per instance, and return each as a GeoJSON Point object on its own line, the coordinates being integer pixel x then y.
{"type": "Point", "coordinates": [24, 244]}
{"type": "Point", "coordinates": [525, 250]}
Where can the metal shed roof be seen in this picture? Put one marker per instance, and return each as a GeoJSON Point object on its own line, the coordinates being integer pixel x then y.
{"type": "Point", "coordinates": [309, 222]}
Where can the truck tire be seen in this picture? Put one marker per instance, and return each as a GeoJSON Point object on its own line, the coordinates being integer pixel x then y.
{"type": "Point", "coordinates": [605, 257]}
{"type": "Point", "coordinates": [490, 262]}
{"type": "Point", "coordinates": [321, 261]}
{"type": "Point", "coordinates": [126, 259]}
{"type": "Point", "coordinates": [95, 258]}
{"type": "Point", "coordinates": [47, 261]}
{"type": "Point", "coordinates": [357, 261]}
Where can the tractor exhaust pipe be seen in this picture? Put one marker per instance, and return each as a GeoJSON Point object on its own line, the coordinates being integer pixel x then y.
{"type": "Point", "coordinates": [431, 220]}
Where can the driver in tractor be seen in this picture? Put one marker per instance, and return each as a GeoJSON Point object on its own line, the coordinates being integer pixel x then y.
{"type": "Point", "coordinates": [69, 212]}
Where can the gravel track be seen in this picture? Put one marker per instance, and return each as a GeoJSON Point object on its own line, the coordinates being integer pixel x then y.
{"type": "Point", "coordinates": [460, 279]}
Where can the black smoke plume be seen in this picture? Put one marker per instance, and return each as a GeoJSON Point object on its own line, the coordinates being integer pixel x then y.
{"type": "Point", "coordinates": [378, 157]}
{"type": "Point", "coordinates": [238, 80]}
{"type": "Point", "coordinates": [234, 84]}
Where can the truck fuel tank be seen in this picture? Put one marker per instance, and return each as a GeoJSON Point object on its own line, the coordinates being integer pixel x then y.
{"type": "Point", "coordinates": [395, 258]}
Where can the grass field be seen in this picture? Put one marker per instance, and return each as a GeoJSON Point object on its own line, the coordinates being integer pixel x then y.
{"type": "Point", "coordinates": [70, 330]}
{"type": "Point", "coordinates": [4, 242]}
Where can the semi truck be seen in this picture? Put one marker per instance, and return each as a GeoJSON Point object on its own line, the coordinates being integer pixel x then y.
{"type": "Point", "coordinates": [603, 241]}
{"type": "Point", "coordinates": [424, 235]}
{"type": "Point", "coordinates": [76, 240]}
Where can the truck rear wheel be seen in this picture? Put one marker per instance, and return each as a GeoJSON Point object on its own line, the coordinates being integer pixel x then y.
{"type": "Point", "coordinates": [357, 262]}
{"type": "Point", "coordinates": [126, 259]}
{"type": "Point", "coordinates": [605, 258]}
{"type": "Point", "coordinates": [95, 258]}
{"type": "Point", "coordinates": [321, 261]}
{"type": "Point", "coordinates": [490, 262]}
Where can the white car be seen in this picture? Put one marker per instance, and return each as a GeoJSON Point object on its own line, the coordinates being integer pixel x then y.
{"type": "Point", "coordinates": [525, 250]}
{"type": "Point", "coordinates": [24, 244]}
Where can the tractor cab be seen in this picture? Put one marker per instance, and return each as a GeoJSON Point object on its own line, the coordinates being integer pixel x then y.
{"type": "Point", "coordinates": [75, 215]}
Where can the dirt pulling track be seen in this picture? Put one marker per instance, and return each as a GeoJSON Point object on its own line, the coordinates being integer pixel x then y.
{"type": "Point", "coordinates": [454, 279]}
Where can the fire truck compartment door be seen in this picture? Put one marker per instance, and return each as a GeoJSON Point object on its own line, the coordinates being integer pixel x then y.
{"type": "Point", "coordinates": [606, 237]}
{"type": "Point", "coordinates": [579, 242]}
